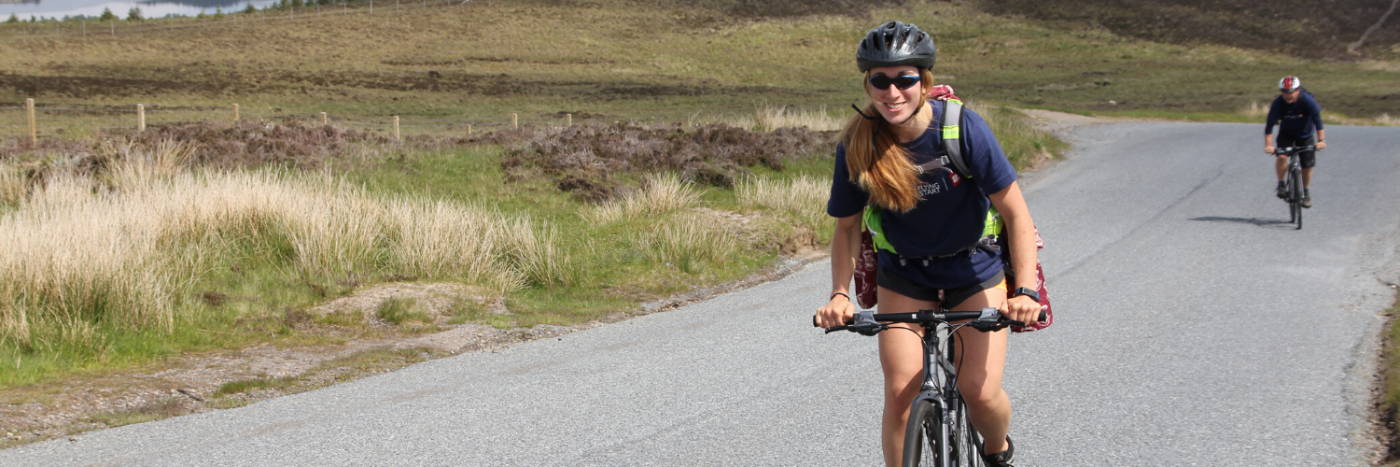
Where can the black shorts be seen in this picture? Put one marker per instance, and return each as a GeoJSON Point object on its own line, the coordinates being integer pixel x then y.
{"type": "Point", "coordinates": [952, 297]}
{"type": "Point", "coordinates": [1307, 159]}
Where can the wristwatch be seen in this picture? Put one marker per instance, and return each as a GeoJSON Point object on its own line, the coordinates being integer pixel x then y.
{"type": "Point", "coordinates": [1027, 292]}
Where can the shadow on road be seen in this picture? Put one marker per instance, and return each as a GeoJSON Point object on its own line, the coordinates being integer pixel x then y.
{"type": "Point", "coordinates": [1243, 220]}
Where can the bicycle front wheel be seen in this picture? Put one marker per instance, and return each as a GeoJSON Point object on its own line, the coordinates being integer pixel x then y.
{"type": "Point", "coordinates": [923, 446]}
{"type": "Point", "coordinates": [967, 443]}
{"type": "Point", "coordinates": [1297, 201]}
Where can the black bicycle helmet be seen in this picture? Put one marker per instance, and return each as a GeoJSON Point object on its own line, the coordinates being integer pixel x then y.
{"type": "Point", "coordinates": [895, 43]}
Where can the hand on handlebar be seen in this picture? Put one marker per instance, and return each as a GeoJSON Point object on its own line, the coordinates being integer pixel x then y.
{"type": "Point", "coordinates": [1270, 150]}
{"type": "Point", "coordinates": [1021, 308]}
{"type": "Point", "coordinates": [836, 312]}
{"type": "Point", "coordinates": [1322, 145]}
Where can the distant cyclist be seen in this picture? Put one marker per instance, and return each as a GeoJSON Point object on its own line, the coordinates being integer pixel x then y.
{"type": "Point", "coordinates": [1297, 115]}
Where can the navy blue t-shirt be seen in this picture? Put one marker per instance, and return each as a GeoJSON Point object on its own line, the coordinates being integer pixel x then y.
{"type": "Point", "coordinates": [1297, 120]}
{"type": "Point", "coordinates": [951, 215]}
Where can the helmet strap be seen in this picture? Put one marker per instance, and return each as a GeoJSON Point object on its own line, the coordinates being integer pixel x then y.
{"type": "Point", "coordinates": [877, 116]}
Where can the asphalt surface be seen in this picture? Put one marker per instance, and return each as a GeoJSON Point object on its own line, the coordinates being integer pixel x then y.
{"type": "Point", "coordinates": [1193, 327]}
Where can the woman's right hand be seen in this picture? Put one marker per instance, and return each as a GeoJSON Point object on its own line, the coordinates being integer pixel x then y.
{"type": "Point", "coordinates": [836, 312]}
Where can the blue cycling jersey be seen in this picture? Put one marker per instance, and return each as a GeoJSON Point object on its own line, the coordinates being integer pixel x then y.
{"type": "Point", "coordinates": [951, 215]}
{"type": "Point", "coordinates": [1297, 120]}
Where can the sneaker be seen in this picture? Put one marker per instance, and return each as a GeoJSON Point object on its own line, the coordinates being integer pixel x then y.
{"type": "Point", "coordinates": [1307, 200]}
{"type": "Point", "coordinates": [1001, 459]}
{"type": "Point", "coordinates": [1282, 191]}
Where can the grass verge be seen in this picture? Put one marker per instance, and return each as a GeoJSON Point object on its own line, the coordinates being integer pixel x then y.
{"type": "Point", "coordinates": [1388, 405]}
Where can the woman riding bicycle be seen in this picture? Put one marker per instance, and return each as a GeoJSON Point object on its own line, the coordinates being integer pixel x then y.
{"type": "Point", "coordinates": [934, 221]}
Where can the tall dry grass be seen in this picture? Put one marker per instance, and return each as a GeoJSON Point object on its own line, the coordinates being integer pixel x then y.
{"type": "Point", "coordinates": [13, 185]}
{"type": "Point", "coordinates": [770, 117]}
{"type": "Point", "coordinates": [80, 254]}
{"type": "Point", "coordinates": [659, 194]}
{"type": "Point", "coordinates": [1254, 110]}
{"type": "Point", "coordinates": [801, 199]}
{"type": "Point", "coordinates": [1387, 120]}
{"type": "Point", "coordinates": [690, 241]}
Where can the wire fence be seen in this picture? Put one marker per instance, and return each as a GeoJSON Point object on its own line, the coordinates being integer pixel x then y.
{"type": "Point", "coordinates": [29, 121]}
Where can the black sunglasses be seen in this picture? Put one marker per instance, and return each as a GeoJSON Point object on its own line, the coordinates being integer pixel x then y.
{"type": "Point", "coordinates": [901, 82]}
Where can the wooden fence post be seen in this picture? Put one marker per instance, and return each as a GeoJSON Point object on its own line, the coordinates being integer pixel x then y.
{"type": "Point", "coordinates": [323, 118]}
{"type": "Point", "coordinates": [235, 112]}
{"type": "Point", "coordinates": [568, 120]}
{"type": "Point", "coordinates": [515, 120]}
{"type": "Point", "coordinates": [140, 117]}
{"type": "Point", "coordinates": [469, 130]}
{"type": "Point", "coordinates": [396, 127]}
{"type": "Point", "coordinates": [33, 130]}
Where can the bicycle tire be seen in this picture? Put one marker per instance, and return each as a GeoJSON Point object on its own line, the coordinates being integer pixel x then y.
{"type": "Point", "coordinates": [922, 447]}
{"type": "Point", "coordinates": [1289, 197]}
{"type": "Point", "coordinates": [1297, 197]}
{"type": "Point", "coordinates": [967, 443]}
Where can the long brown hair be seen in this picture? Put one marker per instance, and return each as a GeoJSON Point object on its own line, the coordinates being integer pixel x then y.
{"type": "Point", "coordinates": [876, 161]}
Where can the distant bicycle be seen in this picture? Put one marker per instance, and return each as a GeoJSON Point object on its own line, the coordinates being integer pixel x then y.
{"type": "Point", "coordinates": [1293, 182]}
{"type": "Point", "coordinates": [939, 432]}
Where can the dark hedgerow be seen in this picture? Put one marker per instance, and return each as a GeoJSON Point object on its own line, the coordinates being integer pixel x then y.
{"type": "Point", "coordinates": [583, 158]}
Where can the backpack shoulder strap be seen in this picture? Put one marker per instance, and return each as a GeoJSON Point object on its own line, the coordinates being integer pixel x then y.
{"type": "Point", "coordinates": [952, 137]}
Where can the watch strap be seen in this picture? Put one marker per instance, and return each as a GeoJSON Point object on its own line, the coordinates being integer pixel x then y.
{"type": "Point", "coordinates": [1027, 292]}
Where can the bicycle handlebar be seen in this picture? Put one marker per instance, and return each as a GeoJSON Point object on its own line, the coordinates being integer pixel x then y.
{"type": "Point", "coordinates": [1292, 149]}
{"type": "Point", "coordinates": [869, 323]}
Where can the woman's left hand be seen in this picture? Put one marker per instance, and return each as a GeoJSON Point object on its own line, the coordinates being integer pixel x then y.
{"type": "Point", "coordinates": [1021, 308]}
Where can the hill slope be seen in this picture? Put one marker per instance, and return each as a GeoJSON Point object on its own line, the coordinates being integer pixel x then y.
{"type": "Point", "coordinates": [1313, 29]}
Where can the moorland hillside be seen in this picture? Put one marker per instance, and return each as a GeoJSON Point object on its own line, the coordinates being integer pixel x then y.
{"type": "Point", "coordinates": [1311, 29]}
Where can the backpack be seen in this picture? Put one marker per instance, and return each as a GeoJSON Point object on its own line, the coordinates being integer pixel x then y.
{"type": "Point", "coordinates": [994, 231]}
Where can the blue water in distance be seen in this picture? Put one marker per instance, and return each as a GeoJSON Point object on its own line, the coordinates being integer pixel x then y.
{"type": "Point", "coordinates": [58, 9]}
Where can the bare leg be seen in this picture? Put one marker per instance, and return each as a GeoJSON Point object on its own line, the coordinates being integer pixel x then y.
{"type": "Point", "coordinates": [901, 359]}
{"type": "Point", "coordinates": [981, 362]}
{"type": "Point", "coordinates": [1307, 178]}
{"type": "Point", "coordinates": [1281, 166]}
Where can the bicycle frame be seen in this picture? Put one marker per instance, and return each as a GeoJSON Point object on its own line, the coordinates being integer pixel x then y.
{"type": "Point", "coordinates": [939, 391]}
{"type": "Point", "coordinates": [1293, 179]}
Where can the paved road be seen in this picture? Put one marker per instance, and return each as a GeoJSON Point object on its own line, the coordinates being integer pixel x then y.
{"type": "Point", "coordinates": [1194, 328]}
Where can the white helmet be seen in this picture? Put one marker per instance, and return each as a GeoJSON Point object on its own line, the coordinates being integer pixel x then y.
{"type": "Point", "coordinates": [1289, 84]}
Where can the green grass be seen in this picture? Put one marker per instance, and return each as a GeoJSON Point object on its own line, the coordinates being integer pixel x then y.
{"type": "Point", "coordinates": [160, 409]}
{"type": "Point", "coordinates": [400, 310]}
{"type": "Point", "coordinates": [1389, 399]}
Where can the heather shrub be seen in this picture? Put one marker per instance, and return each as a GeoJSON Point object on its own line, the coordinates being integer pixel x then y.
{"type": "Point", "coordinates": [583, 158]}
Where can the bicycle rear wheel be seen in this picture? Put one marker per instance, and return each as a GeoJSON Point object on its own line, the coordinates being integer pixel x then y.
{"type": "Point", "coordinates": [1296, 201]}
{"type": "Point", "coordinates": [922, 437]}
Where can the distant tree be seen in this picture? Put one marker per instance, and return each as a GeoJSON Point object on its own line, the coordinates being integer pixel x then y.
{"type": "Point", "coordinates": [218, 11]}
{"type": "Point", "coordinates": [201, 15]}
{"type": "Point", "coordinates": [298, 3]}
{"type": "Point", "coordinates": [13, 19]}
{"type": "Point", "coordinates": [107, 15]}
{"type": "Point", "coordinates": [251, 9]}
{"type": "Point", "coordinates": [134, 14]}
